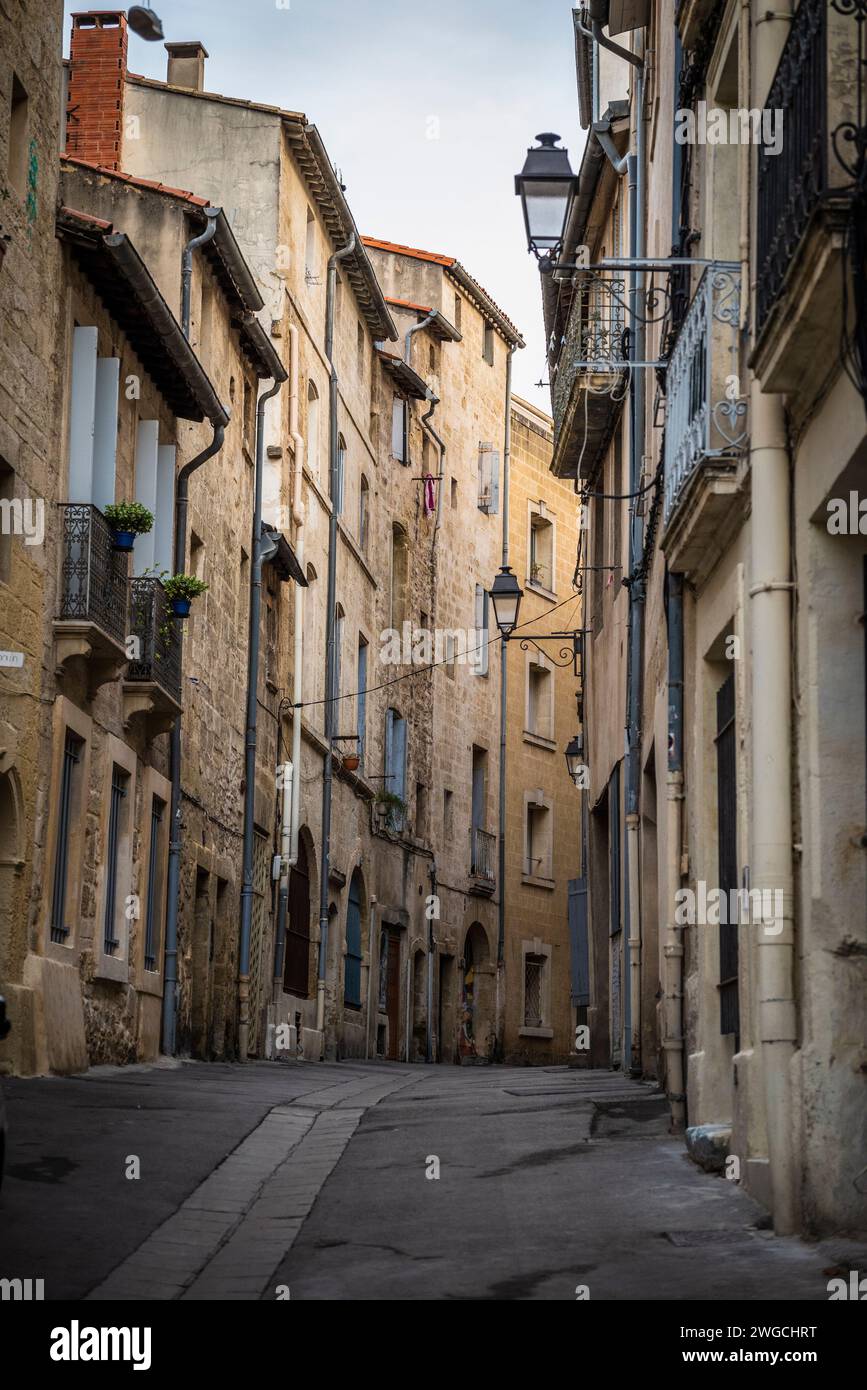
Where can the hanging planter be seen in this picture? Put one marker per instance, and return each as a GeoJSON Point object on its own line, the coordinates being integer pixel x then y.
{"type": "Point", "coordinates": [181, 589]}
{"type": "Point", "coordinates": [351, 762]}
{"type": "Point", "coordinates": [128, 520]}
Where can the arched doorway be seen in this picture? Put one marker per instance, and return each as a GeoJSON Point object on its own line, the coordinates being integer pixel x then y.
{"type": "Point", "coordinates": [475, 1037]}
{"type": "Point", "coordinates": [296, 967]}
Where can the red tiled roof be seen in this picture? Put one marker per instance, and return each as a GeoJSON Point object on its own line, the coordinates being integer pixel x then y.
{"type": "Point", "coordinates": [137, 182]}
{"type": "Point", "coordinates": [408, 304]}
{"type": "Point", "coordinates": [87, 217]}
{"type": "Point", "coordinates": [408, 251]}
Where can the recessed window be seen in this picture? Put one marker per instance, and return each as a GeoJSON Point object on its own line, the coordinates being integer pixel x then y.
{"type": "Point", "coordinates": [313, 429]}
{"type": "Point", "coordinates": [399, 449]}
{"type": "Point", "coordinates": [540, 699]}
{"type": "Point", "coordinates": [488, 478]}
{"type": "Point", "coordinates": [361, 699]}
{"type": "Point", "coordinates": [7, 520]}
{"type": "Point", "coordinates": [310, 261]}
{"type": "Point", "coordinates": [479, 655]}
{"type": "Point", "coordinates": [117, 841]}
{"type": "Point", "coordinates": [534, 967]}
{"type": "Point", "coordinates": [341, 474]}
{"type": "Point", "coordinates": [541, 559]}
{"type": "Point", "coordinates": [448, 815]}
{"type": "Point", "coordinates": [363, 514]}
{"type": "Point", "coordinates": [63, 912]}
{"type": "Point", "coordinates": [18, 133]}
{"type": "Point", "coordinates": [399, 575]}
{"type": "Point", "coordinates": [488, 345]}
{"type": "Point", "coordinates": [454, 492]}
{"type": "Point", "coordinates": [538, 843]}
{"type": "Point", "coordinates": [458, 308]}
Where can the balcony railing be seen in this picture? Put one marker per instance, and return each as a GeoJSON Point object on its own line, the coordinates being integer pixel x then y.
{"type": "Point", "coordinates": [159, 639]}
{"type": "Point", "coordinates": [705, 413]}
{"type": "Point", "coordinates": [821, 88]}
{"type": "Point", "coordinates": [93, 582]}
{"type": "Point", "coordinates": [483, 855]}
{"type": "Point", "coordinates": [596, 339]}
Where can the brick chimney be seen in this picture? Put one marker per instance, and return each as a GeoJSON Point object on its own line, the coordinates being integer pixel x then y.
{"type": "Point", "coordinates": [186, 66]}
{"type": "Point", "coordinates": [97, 69]}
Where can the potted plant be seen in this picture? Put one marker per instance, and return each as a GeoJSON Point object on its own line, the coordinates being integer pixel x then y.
{"type": "Point", "coordinates": [128, 520]}
{"type": "Point", "coordinates": [392, 809]}
{"type": "Point", "coordinates": [536, 572]}
{"type": "Point", "coordinates": [351, 762]}
{"type": "Point", "coordinates": [181, 589]}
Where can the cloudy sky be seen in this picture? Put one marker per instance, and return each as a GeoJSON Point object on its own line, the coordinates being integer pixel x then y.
{"type": "Point", "coordinates": [427, 110]}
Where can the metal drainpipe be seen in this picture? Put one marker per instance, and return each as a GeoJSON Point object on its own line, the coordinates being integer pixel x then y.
{"type": "Point", "coordinates": [673, 1039]}
{"type": "Point", "coordinates": [173, 872]}
{"type": "Point", "coordinates": [772, 853]}
{"type": "Point", "coordinates": [327, 770]}
{"type": "Point", "coordinates": [504, 685]}
{"type": "Point", "coordinates": [416, 328]}
{"type": "Point", "coordinates": [429, 1057]}
{"type": "Point", "coordinates": [261, 552]}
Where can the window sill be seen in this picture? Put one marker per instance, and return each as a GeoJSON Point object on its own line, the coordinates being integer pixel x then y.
{"type": "Point", "coordinates": [539, 741]}
{"type": "Point", "coordinates": [107, 968]}
{"type": "Point", "coordinates": [535, 1032]}
{"type": "Point", "coordinates": [533, 882]}
{"type": "Point", "coordinates": [535, 587]}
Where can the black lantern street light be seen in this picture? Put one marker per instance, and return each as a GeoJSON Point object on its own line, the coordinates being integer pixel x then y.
{"type": "Point", "coordinates": [506, 595]}
{"type": "Point", "coordinates": [546, 186]}
{"type": "Point", "coordinates": [575, 757]}
{"type": "Point", "coordinates": [144, 22]}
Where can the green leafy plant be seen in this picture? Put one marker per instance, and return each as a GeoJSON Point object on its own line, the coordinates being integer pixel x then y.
{"type": "Point", "coordinates": [129, 516]}
{"type": "Point", "coordinates": [184, 586]}
{"type": "Point", "coordinates": [394, 808]}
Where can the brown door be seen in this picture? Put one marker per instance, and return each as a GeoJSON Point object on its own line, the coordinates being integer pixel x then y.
{"type": "Point", "coordinates": [393, 995]}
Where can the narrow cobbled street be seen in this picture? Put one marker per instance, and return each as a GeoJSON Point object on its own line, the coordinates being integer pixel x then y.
{"type": "Point", "coordinates": [312, 1183]}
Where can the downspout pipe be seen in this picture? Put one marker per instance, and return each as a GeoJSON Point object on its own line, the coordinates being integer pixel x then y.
{"type": "Point", "coordinates": [330, 713]}
{"type": "Point", "coordinates": [262, 550]}
{"type": "Point", "coordinates": [187, 264]}
{"type": "Point", "coordinates": [673, 1020]}
{"type": "Point", "coordinates": [173, 872]}
{"type": "Point", "coordinates": [416, 328]}
{"type": "Point", "coordinates": [771, 868]}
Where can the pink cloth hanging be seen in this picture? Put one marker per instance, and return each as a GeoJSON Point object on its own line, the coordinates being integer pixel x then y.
{"type": "Point", "coordinates": [429, 494]}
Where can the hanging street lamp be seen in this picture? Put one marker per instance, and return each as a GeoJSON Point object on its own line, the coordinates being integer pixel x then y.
{"type": "Point", "coordinates": [546, 186]}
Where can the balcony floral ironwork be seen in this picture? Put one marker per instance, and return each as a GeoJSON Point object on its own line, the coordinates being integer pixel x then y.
{"type": "Point", "coordinates": [158, 638]}
{"type": "Point", "coordinates": [705, 413]}
{"type": "Point", "coordinates": [93, 580]}
{"type": "Point", "coordinates": [596, 359]}
{"type": "Point", "coordinates": [821, 87]}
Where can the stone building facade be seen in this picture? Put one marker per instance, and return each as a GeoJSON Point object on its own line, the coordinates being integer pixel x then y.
{"type": "Point", "coordinates": [743, 691]}
{"type": "Point", "coordinates": [30, 45]}
{"type": "Point", "coordinates": [543, 805]}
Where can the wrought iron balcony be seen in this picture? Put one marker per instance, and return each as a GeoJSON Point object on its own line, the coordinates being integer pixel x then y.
{"type": "Point", "coordinates": [705, 413]}
{"type": "Point", "coordinates": [821, 88]}
{"type": "Point", "coordinates": [93, 584]}
{"type": "Point", "coordinates": [483, 859]}
{"type": "Point", "coordinates": [92, 614]}
{"type": "Point", "coordinates": [588, 387]}
{"type": "Point", "coordinates": [158, 639]}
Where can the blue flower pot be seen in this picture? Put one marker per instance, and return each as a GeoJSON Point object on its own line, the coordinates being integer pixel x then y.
{"type": "Point", "coordinates": [124, 540]}
{"type": "Point", "coordinates": [181, 607]}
